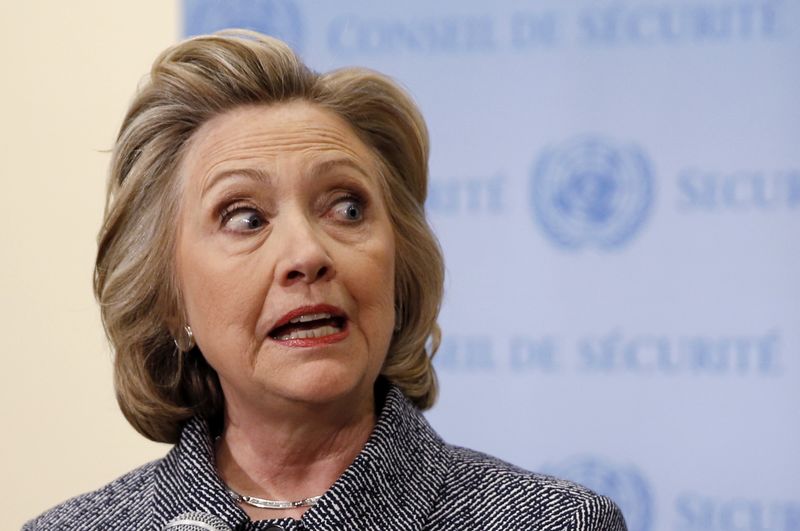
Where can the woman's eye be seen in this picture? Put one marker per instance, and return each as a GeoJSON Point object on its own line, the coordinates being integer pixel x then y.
{"type": "Point", "coordinates": [243, 220]}
{"type": "Point", "coordinates": [350, 209]}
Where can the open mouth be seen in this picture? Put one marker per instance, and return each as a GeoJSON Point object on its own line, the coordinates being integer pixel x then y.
{"type": "Point", "coordinates": [309, 326]}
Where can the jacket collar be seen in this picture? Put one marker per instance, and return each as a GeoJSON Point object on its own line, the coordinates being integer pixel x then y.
{"type": "Point", "coordinates": [398, 472]}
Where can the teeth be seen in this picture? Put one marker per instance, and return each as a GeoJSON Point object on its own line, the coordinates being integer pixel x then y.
{"type": "Point", "coordinates": [320, 331]}
{"type": "Point", "coordinates": [310, 317]}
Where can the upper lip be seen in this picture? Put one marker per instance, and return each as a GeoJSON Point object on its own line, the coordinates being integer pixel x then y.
{"type": "Point", "coordinates": [333, 311]}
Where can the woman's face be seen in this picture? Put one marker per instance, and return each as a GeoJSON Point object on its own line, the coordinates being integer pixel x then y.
{"type": "Point", "coordinates": [285, 256]}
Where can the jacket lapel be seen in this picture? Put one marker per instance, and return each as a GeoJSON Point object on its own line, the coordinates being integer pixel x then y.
{"type": "Point", "coordinates": [394, 481]}
{"type": "Point", "coordinates": [187, 481]}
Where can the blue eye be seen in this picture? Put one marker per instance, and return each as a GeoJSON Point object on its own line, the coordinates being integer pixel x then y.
{"type": "Point", "coordinates": [243, 219]}
{"type": "Point", "coordinates": [350, 209]}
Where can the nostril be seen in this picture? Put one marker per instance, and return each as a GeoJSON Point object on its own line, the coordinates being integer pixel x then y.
{"type": "Point", "coordinates": [301, 273]}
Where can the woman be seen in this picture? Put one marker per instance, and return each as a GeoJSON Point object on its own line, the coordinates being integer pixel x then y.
{"type": "Point", "coordinates": [270, 286]}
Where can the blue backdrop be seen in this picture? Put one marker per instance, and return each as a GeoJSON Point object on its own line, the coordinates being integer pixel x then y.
{"type": "Point", "coordinates": [616, 186]}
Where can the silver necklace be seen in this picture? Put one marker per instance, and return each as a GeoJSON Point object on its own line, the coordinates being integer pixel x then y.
{"type": "Point", "coordinates": [261, 503]}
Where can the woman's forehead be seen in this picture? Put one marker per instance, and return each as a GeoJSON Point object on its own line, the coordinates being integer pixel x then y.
{"type": "Point", "coordinates": [269, 135]}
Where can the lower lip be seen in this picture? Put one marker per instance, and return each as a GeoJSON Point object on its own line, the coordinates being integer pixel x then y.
{"type": "Point", "coordinates": [315, 341]}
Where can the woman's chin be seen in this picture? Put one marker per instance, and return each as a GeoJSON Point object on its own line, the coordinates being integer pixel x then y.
{"type": "Point", "coordinates": [324, 383]}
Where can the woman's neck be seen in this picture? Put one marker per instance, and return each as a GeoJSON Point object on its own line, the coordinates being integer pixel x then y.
{"type": "Point", "coordinates": [290, 455]}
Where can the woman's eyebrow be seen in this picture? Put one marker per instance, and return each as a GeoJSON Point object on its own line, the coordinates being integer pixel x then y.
{"type": "Point", "coordinates": [214, 179]}
{"type": "Point", "coordinates": [328, 166]}
{"type": "Point", "coordinates": [263, 176]}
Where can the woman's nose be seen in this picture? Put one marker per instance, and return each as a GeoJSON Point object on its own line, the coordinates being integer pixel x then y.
{"type": "Point", "coordinates": [303, 258]}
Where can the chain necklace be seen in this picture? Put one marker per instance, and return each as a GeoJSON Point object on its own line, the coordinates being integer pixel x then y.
{"type": "Point", "coordinates": [261, 503]}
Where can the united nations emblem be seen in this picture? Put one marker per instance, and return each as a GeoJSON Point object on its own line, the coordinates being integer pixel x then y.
{"type": "Point", "coordinates": [590, 192]}
{"type": "Point", "coordinates": [279, 18]}
{"type": "Point", "coordinates": [625, 485]}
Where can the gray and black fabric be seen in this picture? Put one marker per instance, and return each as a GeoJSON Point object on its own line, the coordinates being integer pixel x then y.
{"type": "Point", "coordinates": [406, 478]}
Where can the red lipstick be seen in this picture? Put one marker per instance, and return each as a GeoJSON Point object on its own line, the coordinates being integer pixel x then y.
{"type": "Point", "coordinates": [308, 318]}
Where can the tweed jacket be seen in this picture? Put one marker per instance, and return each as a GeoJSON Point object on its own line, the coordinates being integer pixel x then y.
{"type": "Point", "coordinates": [406, 478]}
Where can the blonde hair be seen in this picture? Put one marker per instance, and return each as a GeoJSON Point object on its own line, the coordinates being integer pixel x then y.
{"type": "Point", "coordinates": [158, 388]}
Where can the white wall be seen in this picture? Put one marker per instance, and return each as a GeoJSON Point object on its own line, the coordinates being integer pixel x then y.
{"type": "Point", "coordinates": [69, 70]}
